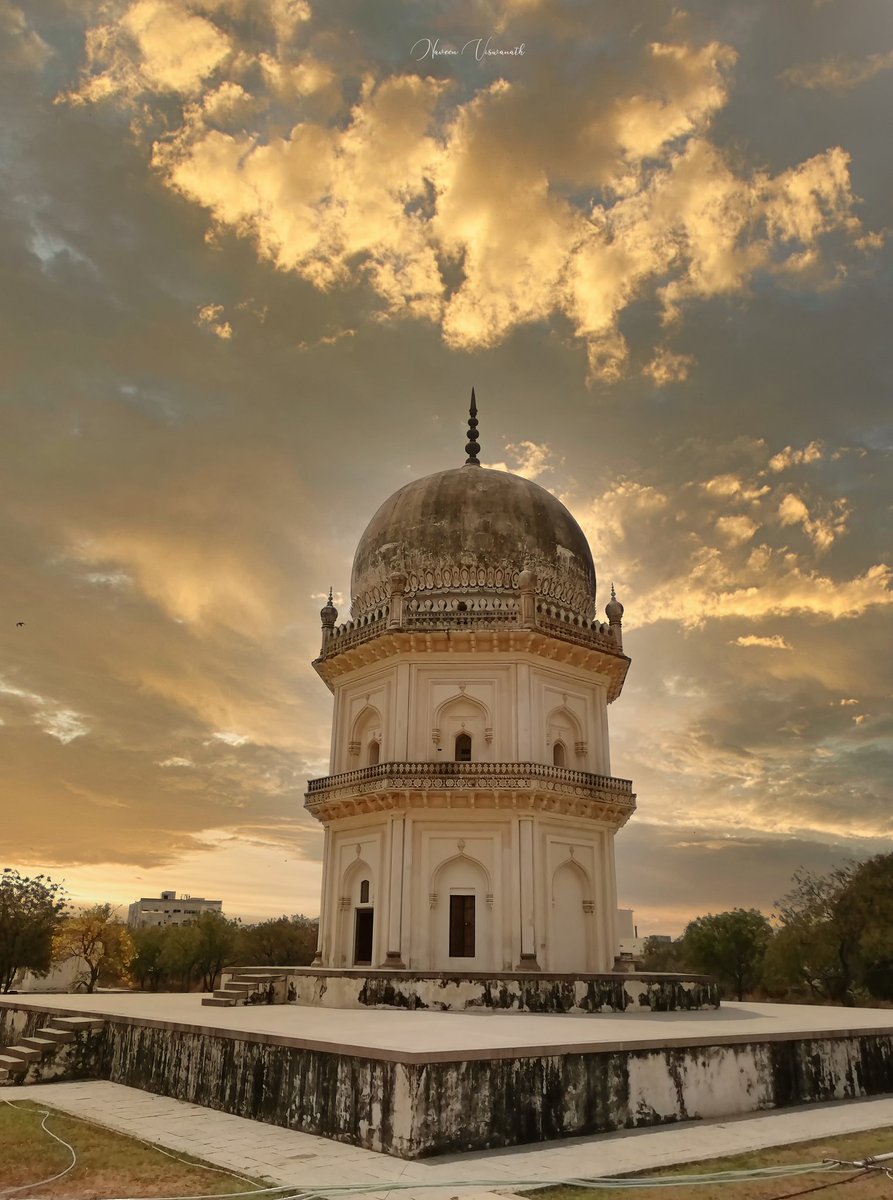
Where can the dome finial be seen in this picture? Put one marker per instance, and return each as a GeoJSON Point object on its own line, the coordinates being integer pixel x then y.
{"type": "Point", "coordinates": [473, 447]}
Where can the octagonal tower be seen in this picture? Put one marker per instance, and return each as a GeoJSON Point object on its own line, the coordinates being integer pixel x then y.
{"type": "Point", "coordinates": [470, 811]}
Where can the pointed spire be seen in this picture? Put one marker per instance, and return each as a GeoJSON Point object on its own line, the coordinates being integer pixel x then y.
{"type": "Point", "coordinates": [473, 447]}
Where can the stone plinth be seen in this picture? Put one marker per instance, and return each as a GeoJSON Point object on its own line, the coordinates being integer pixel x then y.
{"type": "Point", "coordinates": [518, 991]}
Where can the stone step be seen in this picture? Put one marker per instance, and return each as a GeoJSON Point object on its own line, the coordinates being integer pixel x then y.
{"type": "Point", "coordinates": [231, 994]}
{"type": "Point", "coordinates": [25, 1053]}
{"type": "Point", "coordinates": [55, 1035]}
{"type": "Point", "coordinates": [11, 1065]}
{"type": "Point", "coordinates": [41, 1044]}
{"type": "Point", "coordinates": [218, 1002]}
{"type": "Point", "coordinates": [238, 985]}
{"type": "Point", "coordinates": [77, 1024]}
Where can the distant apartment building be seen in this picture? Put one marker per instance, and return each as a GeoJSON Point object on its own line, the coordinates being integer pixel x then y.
{"type": "Point", "coordinates": [170, 909]}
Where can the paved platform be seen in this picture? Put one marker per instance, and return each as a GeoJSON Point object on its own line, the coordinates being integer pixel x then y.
{"type": "Point", "coordinates": [398, 1036]}
{"type": "Point", "coordinates": [284, 1156]}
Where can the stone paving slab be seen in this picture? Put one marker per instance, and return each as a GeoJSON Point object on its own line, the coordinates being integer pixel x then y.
{"type": "Point", "coordinates": [428, 1036]}
{"type": "Point", "coordinates": [287, 1157]}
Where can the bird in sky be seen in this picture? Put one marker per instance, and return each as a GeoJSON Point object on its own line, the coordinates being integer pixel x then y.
{"type": "Point", "coordinates": [19, 624]}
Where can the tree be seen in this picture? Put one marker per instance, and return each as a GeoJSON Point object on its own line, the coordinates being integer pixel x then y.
{"type": "Point", "coordinates": [280, 941]}
{"type": "Point", "coordinates": [661, 955]}
{"type": "Point", "coordinates": [864, 917]}
{"type": "Point", "coordinates": [815, 948]}
{"type": "Point", "coordinates": [179, 954]}
{"type": "Point", "coordinates": [99, 940]}
{"type": "Point", "coordinates": [30, 910]}
{"type": "Point", "coordinates": [147, 967]}
{"type": "Point", "coordinates": [216, 947]}
{"type": "Point", "coordinates": [729, 945]}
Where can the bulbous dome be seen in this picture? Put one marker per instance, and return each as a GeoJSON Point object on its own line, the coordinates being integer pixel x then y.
{"type": "Point", "coordinates": [472, 529]}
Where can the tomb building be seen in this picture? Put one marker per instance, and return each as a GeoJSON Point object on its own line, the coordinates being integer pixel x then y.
{"type": "Point", "coordinates": [470, 810]}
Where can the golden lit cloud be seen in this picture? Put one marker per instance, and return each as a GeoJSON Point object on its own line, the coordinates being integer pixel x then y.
{"type": "Point", "coordinates": [791, 457]}
{"type": "Point", "coordinates": [775, 642]}
{"type": "Point", "coordinates": [416, 185]}
{"type": "Point", "coordinates": [840, 73]}
{"type": "Point", "coordinates": [667, 367]}
{"type": "Point", "coordinates": [209, 316]}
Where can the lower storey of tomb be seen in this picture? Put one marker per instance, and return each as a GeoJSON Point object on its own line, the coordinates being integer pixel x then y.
{"type": "Point", "coordinates": [471, 889]}
{"type": "Point", "coordinates": [425, 1083]}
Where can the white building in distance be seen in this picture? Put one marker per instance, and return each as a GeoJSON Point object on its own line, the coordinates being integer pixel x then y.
{"type": "Point", "coordinates": [169, 909]}
{"type": "Point", "coordinates": [470, 810]}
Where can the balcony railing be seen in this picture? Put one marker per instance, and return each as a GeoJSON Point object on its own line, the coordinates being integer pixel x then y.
{"type": "Point", "coordinates": [467, 774]}
{"type": "Point", "coordinates": [550, 618]}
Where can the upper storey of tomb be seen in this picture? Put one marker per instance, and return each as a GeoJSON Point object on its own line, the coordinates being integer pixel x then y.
{"type": "Point", "coordinates": [473, 549]}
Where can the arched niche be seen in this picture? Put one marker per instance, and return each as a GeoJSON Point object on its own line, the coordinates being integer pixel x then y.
{"type": "Point", "coordinates": [357, 932]}
{"type": "Point", "coordinates": [570, 919]}
{"type": "Point", "coordinates": [366, 737]}
{"type": "Point", "coordinates": [463, 715]}
{"type": "Point", "coordinates": [563, 728]}
{"type": "Point", "coordinates": [461, 927]}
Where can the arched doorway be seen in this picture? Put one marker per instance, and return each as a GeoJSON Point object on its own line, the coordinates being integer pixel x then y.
{"type": "Point", "coordinates": [569, 949]}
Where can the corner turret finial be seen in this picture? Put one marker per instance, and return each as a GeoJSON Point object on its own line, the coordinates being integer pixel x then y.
{"type": "Point", "coordinates": [473, 447]}
{"type": "Point", "coordinates": [614, 609]}
{"type": "Point", "coordinates": [329, 614]}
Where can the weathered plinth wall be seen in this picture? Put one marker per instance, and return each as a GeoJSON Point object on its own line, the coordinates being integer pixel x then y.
{"type": "Point", "coordinates": [518, 991]}
{"type": "Point", "coordinates": [413, 1105]}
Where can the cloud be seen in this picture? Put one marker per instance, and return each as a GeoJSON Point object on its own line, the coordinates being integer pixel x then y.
{"type": "Point", "coordinates": [838, 74]}
{"type": "Point", "coordinates": [775, 642]}
{"type": "Point", "coordinates": [736, 529]}
{"type": "Point", "coordinates": [530, 460]}
{"type": "Point", "coordinates": [667, 367]}
{"type": "Point", "coordinates": [209, 317]}
{"type": "Point", "coordinates": [154, 46]}
{"type": "Point", "coordinates": [630, 202]}
{"type": "Point", "coordinates": [691, 555]}
{"type": "Point", "coordinates": [823, 530]}
{"type": "Point", "coordinates": [790, 457]}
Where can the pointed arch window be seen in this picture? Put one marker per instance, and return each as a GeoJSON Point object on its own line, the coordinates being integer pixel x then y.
{"type": "Point", "coordinates": [373, 753]}
{"type": "Point", "coordinates": [463, 747]}
{"type": "Point", "coordinates": [364, 891]}
{"type": "Point", "coordinates": [559, 755]}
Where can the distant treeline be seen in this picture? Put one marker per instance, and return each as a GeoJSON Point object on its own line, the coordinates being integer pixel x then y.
{"type": "Point", "coordinates": [38, 930]}
{"type": "Point", "coordinates": [829, 941]}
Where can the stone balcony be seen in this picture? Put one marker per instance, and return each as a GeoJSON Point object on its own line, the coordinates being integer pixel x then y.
{"type": "Point", "coordinates": [476, 624]}
{"type": "Point", "coordinates": [525, 786]}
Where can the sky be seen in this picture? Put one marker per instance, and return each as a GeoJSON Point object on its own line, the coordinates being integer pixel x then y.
{"type": "Point", "coordinates": [256, 252]}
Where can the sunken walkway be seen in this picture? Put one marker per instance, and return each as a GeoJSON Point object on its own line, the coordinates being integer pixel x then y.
{"type": "Point", "coordinates": [414, 1084]}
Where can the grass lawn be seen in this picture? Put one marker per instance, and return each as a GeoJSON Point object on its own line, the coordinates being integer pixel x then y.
{"type": "Point", "coordinates": [108, 1164]}
{"type": "Point", "coordinates": [852, 1146]}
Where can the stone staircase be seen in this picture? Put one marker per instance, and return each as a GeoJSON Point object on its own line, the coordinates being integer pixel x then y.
{"type": "Point", "coordinates": [28, 1059]}
{"type": "Point", "coordinates": [250, 987]}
